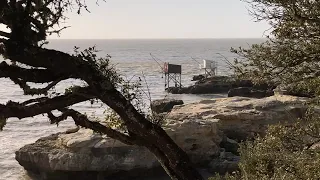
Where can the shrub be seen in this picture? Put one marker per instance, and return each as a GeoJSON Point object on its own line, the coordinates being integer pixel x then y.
{"type": "Point", "coordinates": [287, 151]}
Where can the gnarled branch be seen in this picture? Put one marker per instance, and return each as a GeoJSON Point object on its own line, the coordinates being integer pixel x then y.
{"type": "Point", "coordinates": [36, 100]}
{"type": "Point", "coordinates": [34, 91]}
{"type": "Point", "coordinates": [23, 110]}
{"type": "Point", "coordinates": [83, 121]}
{"type": "Point", "coordinates": [30, 75]}
{"type": "Point", "coordinates": [47, 58]}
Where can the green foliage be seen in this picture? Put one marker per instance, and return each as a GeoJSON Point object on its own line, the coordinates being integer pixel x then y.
{"type": "Point", "coordinates": [291, 54]}
{"type": "Point", "coordinates": [130, 88]}
{"type": "Point", "coordinates": [113, 120]}
{"type": "Point", "coordinates": [71, 89]}
{"type": "Point", "coordinates": [288, 151]}
{"type": "Point", "coordinates": [225, 177]}
{"type": "Point", "coordinates": [100, 64]}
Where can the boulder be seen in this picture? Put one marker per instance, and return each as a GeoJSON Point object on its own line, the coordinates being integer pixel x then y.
{"type": "Point", "coordinates": [226, 163]}
{"type": "Point", "coordinates": [241, 118]}
{"type": "Point", "coordinates": [249, 92]}
{"type": "Point", "coordinates": [220, 84]}
{"type": "Point", "coordinates": [198, 77]}
{"type": "Point", "coordinates": [217, 84]}
{"type": "Point", "coordinates": [87, 155]}
{"type": "Point", "coordinates": [230, 145]}
{"type": "Point", "coordinates": [164, 105]}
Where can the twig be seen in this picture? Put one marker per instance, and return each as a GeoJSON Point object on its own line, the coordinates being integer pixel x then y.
{"type": "Point", "coordinates": [5, 34]}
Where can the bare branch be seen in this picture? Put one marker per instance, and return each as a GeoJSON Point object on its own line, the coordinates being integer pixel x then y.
{"type": "Point", "coordinates": [34, 91]}
{"type": "Point", "coordinates": [21, 76]}
{"type": "Point", "coordinates": [4, 34]}
{"type": "Point", "coordinates": [29, 75]}
{"type": "Point", "coordinates": [83, 121]}
{"type": "Point", "coordinates": [21, 110]}
{"type": "Point", "coordinates": [36, 100]}
{"type": "Point", "coordinates": [2, 41]}
{"type": "Point", "coordinates": [58, 31]}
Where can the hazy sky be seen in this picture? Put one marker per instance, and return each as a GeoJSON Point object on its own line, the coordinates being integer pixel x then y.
{"type": "Point", "coordinates": [164, 19]}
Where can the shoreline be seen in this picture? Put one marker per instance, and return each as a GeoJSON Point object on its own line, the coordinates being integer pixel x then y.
{"type": "Point", "coordinates": [256, 113]}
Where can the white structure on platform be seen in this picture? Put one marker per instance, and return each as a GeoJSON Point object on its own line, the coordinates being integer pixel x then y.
{"type": "Point", "coordinates": [209, 67]}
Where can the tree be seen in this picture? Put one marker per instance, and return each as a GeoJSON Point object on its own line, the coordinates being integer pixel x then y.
{"type": "Point", "coordinates": [291, 54]}
{"type": "Point", "coordinates": [30, 22]}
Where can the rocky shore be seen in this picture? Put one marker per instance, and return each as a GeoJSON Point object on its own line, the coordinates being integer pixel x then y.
{"type": "Point", "coordinates": [209, 131]}
{"type": "Point", "coordinates": [224, 84]}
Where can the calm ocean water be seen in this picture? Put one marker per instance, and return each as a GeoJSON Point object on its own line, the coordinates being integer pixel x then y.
{"type": "Point", "coordinates": [132, 58]}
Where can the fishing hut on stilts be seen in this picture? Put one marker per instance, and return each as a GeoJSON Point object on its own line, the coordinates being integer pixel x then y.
{"type": "Point", "coordinates": [210, 68]}
{"type": "Point", "coordinates": [172, 73]}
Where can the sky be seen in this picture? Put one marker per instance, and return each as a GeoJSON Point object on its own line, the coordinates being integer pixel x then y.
{"type": "Point", "coordinates": [139, 19]}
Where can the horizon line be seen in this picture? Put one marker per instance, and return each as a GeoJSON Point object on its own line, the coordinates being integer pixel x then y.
{"type": "Point", "coordinates": [153, 38]}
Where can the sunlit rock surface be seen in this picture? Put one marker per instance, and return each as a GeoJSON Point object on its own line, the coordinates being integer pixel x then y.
{"type": "Point", "coordinates": [208, 131]}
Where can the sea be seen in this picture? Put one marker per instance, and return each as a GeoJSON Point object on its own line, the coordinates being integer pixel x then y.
{"type": "Point", "coordinates": [133, 58]}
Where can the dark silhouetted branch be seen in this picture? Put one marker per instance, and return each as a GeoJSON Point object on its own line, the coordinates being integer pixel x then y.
{"type": "Point", "coordinates": [83, 121]}
{"type": "Point", "coordinates": [36, 100]}
{"type": "Point", "coordinates": [55, 61]}
{"type": "Point", "coordinates": [34, 91]}
{"type": "Point", "coordinates": [29, 75]}
{"type": "Point", "coordinates": [4, 34]}
{"type": "Point", "coordinates": [21, 110]}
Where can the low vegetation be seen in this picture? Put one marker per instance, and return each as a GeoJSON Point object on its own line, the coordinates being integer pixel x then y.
{"type": "Point", "coordinates": [287, 151]}
{"type": "Point", "coordinates": [290, 56]}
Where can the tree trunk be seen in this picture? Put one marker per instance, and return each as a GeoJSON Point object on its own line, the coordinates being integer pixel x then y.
{"type": "Point", "coordinates": [172, 158]}
{"type": "Point", "coordinates": [179, 168]}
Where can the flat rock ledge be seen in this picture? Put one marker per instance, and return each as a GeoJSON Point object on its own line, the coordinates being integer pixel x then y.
{"type": "Point", "coordinates": [209, 131]}
{"type": "Point", "coordinates": [241, 118]}
{"type": "Point", "coordinates": [87, 155]}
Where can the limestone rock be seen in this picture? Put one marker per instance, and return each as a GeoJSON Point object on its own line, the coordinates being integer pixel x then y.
{"type": "Point", "coordinates": [87, 155]}
{"type": "Point", "coordinates": [241, 118]}
{"type": "Point", "coordinates": [218, 84]}
{"type": "Point", "coordinates": [230, 145]}
{"type": "Point", "coordinates": [164, 105]}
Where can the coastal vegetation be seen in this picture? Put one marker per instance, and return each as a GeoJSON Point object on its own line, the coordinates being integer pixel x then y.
{"type": "Point", "coordinates": [29, 23]}
{"type": "Point", "coordinates": [287, 151]}
{"type": "Point", "coordinates": [290, 58]}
